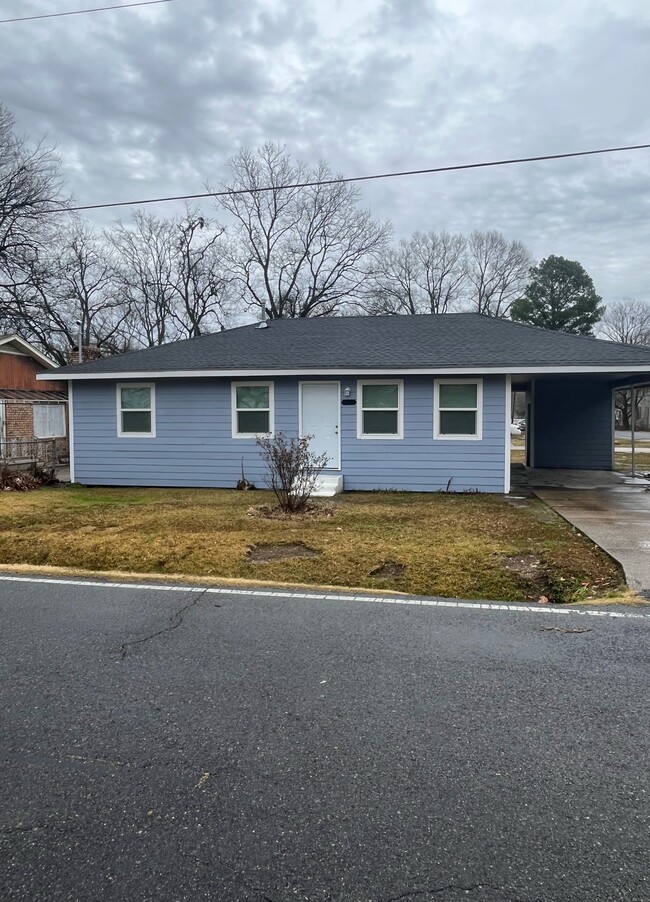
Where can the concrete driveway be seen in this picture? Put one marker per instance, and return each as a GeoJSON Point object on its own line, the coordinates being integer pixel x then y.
{"type": "Point", "coordinates": [610, 508]}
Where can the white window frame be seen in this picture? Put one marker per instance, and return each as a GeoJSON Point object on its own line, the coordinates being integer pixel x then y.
{"type": "Point", "coordinates": [382, 437]}
{"type": "Point", "coordinates": [118, 399]}
{"type": "Point", "coordinates": [234, 410]}
{"type": "Point", "coordinates": [59, 406]}
{"type": "Point", "coordinates": [446, 437]}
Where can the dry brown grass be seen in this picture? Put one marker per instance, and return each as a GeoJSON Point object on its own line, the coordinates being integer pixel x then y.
{"type": "Point", "coordinates": [450, 545]}
{"type": "Point", "coordinates": [624, 461]}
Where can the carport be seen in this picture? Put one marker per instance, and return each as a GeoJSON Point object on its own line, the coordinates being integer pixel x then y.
{"type": "Point", "coordinates": [570, 422]}
{"type": "Point", "coordinates": [570, 460]}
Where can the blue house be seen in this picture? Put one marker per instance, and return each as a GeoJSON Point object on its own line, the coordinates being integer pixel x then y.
{"type": "Point", "coordinates": [417, 403]}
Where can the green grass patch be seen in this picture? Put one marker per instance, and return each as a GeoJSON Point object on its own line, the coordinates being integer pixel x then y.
{"type": "Point", "coordinates": [449, 545]}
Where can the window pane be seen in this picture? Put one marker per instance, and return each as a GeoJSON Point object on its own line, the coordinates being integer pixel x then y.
{"type": "Point", "coordinates": [461, 395]}
{"type": "Point", "coordinates": [252, 421]}
{"type": "Point", "coordinates": [380, 395]}
{"type": "Point", "coordinates": [136, 398]}
{"type": "Point", "coordinates": [136, 421]}
{"type": "Point", "coordinates": [380, 422]}
{"type": "Point", "coordinates": [49, 420]}
{"type": "Point", "coordinates": [252, 397]}
{"type": "Point", "coordinates": [457, 422]}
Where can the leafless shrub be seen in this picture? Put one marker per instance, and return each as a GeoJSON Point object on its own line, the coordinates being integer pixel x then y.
{"type": "Point", "coordinates": [293, 470]}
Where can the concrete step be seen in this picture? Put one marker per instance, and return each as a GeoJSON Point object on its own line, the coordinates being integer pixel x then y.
{"type": "Point", "coordinates": [328, 484]}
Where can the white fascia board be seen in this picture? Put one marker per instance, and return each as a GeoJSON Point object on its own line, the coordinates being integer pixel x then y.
{"type": "Point", "coordinates": [350, 372]}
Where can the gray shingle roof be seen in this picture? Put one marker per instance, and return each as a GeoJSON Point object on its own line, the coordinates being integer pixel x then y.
{"type": "Point", "coordinates": [458, 340]}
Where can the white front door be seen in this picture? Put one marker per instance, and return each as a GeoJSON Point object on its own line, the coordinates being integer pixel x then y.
{"type": "Point", "coordinates": [320, 417]}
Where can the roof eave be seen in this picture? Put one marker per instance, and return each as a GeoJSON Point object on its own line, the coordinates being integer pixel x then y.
{"type": "Point", "coordinates": [243, 373]}
{"type": "Point", "coordinates": [29, 349]}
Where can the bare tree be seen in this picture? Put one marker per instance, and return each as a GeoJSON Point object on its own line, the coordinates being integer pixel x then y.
{"type": "Point", "coordinates": [497, 272]}
{"type": "Point", "coordinates": [144, 275]}
{"type": "Point", "coordinates": [170, 276]}
{"type": "Point", "coordinates": [69, 288]}
{"type": "Point", "coordinates": [297, 251]}
{"type": "Point", "coordinates": [201, 283]}
{"type": "Point", "coordinates": [30, 201]}
{"type": "Point", "coordinates": [627, 321]}
{"type": "Point", "coordinates": [424, 274]}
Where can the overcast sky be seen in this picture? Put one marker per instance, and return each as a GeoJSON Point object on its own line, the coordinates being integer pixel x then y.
{"type": "Point", "coordinates": [152, 101]}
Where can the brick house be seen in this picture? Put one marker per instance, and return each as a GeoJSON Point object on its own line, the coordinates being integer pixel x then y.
{"type": "Point", "coordinates": [29, 409]}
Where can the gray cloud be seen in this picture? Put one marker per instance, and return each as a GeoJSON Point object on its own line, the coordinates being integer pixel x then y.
{"type": "Point", "coordinates": [153, 101]}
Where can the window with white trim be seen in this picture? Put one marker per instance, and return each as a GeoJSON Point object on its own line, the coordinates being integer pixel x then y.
{"type": "Point", "coordinates": [136, 410]}
{"type": "Point", "coordinates": [252, 409]}
{"type": "Point", "coordinates": [458, 412]}
{"type": "Point", "coordinates": [380, 409]}
{"type": "Point", "coordinates": [49, 420]}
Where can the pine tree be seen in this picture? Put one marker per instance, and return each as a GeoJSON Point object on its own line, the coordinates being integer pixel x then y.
{"type": "Point", "coordinates": [560, 296]}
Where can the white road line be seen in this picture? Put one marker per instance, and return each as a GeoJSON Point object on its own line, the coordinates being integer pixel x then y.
{"type": "Point", "coordinates": [328, 596]}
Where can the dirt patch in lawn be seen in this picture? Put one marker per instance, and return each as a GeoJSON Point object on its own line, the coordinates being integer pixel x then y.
{"type": "Point", "coordinates": [524, 565]}
{"type": "Point", "coordinates": [389, 570]}
{"type": "Point", "coordinates": [536, 582]}
{"type": "Point", "coordinates": [265, 554]}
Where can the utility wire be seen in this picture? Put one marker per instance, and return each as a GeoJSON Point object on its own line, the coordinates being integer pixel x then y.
{"type": "Point", "coordinates": [79, 12]}
{"type": "Point", "coordinates": [355, 178]}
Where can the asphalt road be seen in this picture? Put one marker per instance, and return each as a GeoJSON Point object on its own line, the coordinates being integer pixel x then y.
{"type": "Point", "coordinates": [187, 746]}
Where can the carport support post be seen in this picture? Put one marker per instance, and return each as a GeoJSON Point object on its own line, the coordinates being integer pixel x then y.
{"type": "Point", "coordinates": [633, 429]}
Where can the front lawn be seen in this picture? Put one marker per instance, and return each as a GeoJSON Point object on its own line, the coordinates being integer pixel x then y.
{"type": "Point", "coordinates": [468, 546]}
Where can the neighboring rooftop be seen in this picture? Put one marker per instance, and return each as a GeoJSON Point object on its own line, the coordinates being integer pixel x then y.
{"type": "Point", "coordinates": [357, 343]}
{"type": "Point", "coordinates": [14, 344]}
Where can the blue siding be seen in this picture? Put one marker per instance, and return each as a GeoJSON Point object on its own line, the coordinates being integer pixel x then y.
{"type": "Point", "coordinates": [572, 424]}
{"type": "Point", "coordinates": [418, 462]}
{"type": "Point", "coordinates": [194, 445]}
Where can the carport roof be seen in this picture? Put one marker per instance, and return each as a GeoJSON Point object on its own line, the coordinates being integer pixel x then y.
{"type": "Point", "coordinates": [447, 343]}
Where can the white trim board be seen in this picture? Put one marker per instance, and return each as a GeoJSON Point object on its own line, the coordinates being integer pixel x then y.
{"type": "Point", "coordinates": [71, 429]}
{"type": "Point", "coordinates": [351, 371]}
{"type": "Point", "coordinates": [508, 445]}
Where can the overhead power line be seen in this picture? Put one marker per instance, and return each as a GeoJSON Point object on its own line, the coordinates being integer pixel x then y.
{"type": "Point", "coordinates": [80, 12]}
{"type": "Point", "coordinates": [354, 178]}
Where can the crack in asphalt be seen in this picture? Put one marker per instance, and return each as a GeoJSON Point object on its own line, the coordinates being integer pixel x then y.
{"type": "Point", "coordinates": [451, 887]}
{"type": "Point", "coordinates": [437, 890]}
{"type": "Point", "coordinates": [174, 622]}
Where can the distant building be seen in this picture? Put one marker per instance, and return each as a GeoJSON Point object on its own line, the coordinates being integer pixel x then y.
{"type": "Point", "coordinates": [30, 409]}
